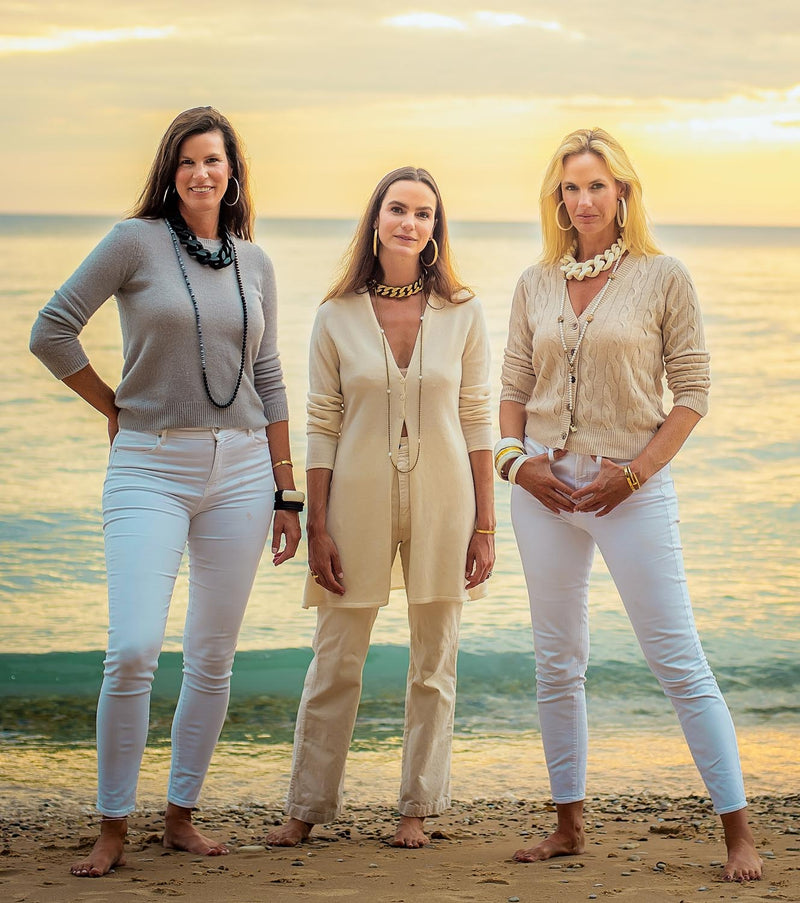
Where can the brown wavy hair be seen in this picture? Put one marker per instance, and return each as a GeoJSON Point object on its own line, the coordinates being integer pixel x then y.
{"type": "Point", "coordinates": [152, 204]}
{"type": "Point", "coordinates": [359, 264]}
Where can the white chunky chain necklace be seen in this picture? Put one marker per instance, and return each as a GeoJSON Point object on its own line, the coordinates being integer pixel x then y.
{"type": "Point", "coordinates": [572, 356]}
{"type": "Point", "coordinates": [573, 269]}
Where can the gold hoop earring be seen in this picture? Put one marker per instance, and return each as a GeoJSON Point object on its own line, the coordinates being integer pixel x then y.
{"type": "Point", "coordinates": [558, 221]}
{"type": "Point", "coordinates": [374, 242]}
{"type": "Point", "coordinates": [435, 255]}
{"type": "Point", "coordinates": [238, 193]}
{"type": "Point", "coordinates": [622, 222]}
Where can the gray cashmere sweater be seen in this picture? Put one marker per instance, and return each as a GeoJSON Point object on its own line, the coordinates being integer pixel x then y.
{"type": "Point", "coordinates": [161, 384]}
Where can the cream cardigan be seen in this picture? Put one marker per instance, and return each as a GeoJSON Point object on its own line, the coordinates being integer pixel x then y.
{"type": "Point", "coordinates": [348, 433]}
{"type": "Point", "coordinates": [648, 325]}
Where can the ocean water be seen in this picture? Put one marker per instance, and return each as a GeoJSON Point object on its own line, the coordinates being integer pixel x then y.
{"type": "Point", "coordinates": [738, 481]}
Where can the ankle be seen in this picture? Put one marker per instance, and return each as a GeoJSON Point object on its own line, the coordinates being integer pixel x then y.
{"type": "Point", "coordinates": [113, 826]}
{"type": "Point", "coordinates": [175, 813]}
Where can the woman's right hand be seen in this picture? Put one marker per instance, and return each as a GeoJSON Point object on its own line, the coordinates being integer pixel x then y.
{"type": "Point", "coordinates": [535, 476]}
{"type": "Point", "coordinates": [323, 561]}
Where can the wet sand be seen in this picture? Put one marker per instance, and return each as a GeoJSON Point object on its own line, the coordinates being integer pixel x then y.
{"type": "Point", "coordinates": [639, 848]}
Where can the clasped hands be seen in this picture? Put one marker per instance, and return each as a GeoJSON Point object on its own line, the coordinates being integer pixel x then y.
{"type": "Point", "coordinates": [600, 497]}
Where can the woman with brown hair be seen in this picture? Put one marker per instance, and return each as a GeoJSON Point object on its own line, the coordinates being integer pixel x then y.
{"type": "Point", "coordinates": [399, 458]}
{"type": "Point", "coordinates": [199, 436]}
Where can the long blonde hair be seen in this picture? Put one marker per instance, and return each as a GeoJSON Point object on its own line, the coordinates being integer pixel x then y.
{"type": "Point", "coordinates": [159, 198]}
{"type": "Point", "coordinates": [359, 264]}
{"type": "Point", "coordinates": [556, 243]}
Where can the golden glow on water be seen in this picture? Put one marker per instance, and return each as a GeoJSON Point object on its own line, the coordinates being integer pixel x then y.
{"type": "Point", "coordinates": [738, 477]}
{"type": "Point", "coordinates": [738, 482]}
{"type": "Point", "coordinates": [509, 766]}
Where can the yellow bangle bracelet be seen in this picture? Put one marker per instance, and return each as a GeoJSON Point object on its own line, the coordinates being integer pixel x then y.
{"type": "Point", "coordinates": [511, 449]}
{"type": "Point", "coordinates": [633, 480]}
{"type": "Point", "coordinates": [486, 532]}
{"type": "Point", "coordinates": [287, 462]}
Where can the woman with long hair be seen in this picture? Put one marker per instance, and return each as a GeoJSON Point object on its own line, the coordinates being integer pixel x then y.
{"type": "Point", "coordinates": [595, 326]}
{"type": "Point", "coordinates": [198, 425]}
{"type": "Point", "coordinates": [399, 460]}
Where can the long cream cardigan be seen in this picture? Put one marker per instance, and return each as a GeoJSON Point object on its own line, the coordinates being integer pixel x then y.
{"type": "Point", "coordinates": [349, 433]}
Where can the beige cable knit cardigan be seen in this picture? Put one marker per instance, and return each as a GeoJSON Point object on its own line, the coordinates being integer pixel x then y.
{"type": "Point", "coordinates": [648, 326]}
{"type": "Point", "coordinates": [348, 433]}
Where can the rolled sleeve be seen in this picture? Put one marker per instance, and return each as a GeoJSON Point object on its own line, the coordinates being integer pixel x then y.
{"type": "Point", "coordinates": [474, 400]}
{"type": "Point", "coordinates": [686, 359]}
{"type": "Point", "coordinates": [54, 337]}
{"type": "Point", "coordinates": [325, 406]}
{"type": "Point", "coordinates": [517, 377]}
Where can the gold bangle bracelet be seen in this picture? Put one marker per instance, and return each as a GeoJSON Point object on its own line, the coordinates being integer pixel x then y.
{"type": "Point", "coordinates": [630, 476]}
{"type": "Point", "coordinates": [486, 532]}
{"type": "Point", "coordinates": [287, 462]}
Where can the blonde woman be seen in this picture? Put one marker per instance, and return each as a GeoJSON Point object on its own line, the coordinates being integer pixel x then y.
{"type": "Point", "coordinates": [594, 328]}
{"type": "Point", "coordinates": [399, 459]}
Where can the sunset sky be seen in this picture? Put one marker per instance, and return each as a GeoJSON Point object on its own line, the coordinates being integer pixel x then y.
{"type": "Point", "coordinates": [330, 95]}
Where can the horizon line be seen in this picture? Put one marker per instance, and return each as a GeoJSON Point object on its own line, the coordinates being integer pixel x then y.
{"type": "Point", "coordinates": [336, 219]}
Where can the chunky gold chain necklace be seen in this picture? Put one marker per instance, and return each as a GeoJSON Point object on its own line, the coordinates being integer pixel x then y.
{"type": "Point", "coordinates": [386, 352]}
{"type": "Point", "coordinates": [396, 292]}
{"type": "Point", "coordinates": [572, 356]}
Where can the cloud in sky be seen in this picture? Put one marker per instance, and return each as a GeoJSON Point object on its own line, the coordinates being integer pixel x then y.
{"type": "Point", "coordinates": [479, 19]}
{"type": "Point", "coordinates": [65, 39]}
{"type": "Point", "coordinates": [327, 91]}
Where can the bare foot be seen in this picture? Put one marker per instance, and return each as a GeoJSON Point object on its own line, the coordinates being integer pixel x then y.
{"type": "Point", "coordinates": [744, 863]}
{"type": "Point", "coordinates": [107, 853]}
{"type": "Point", "coordinates": [409, 833]}
{"type": "Point", "coordinates": [181, 834]}
{"type": "Point", "coordinates": [290, 834]}
{"type": "Point", "coordinates": [559, 843]}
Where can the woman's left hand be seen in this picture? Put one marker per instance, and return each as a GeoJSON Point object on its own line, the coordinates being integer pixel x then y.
{"type": "Point", "coordinates": [605, 492]}
{"type": "Point", "coordinates": [286, 525]}
{"type": "Point", "coordinates": [480, 558]}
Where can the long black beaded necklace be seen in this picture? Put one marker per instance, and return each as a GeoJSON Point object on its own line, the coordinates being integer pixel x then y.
{"type": "Point", "coordinates": [235, 260]}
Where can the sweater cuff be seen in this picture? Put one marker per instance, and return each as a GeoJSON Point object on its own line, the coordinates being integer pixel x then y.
{"type": "Point", "coordinates": [512, 393]}
{"type": "Point", "coordinates": [64, 367]}
{"type": "Point", "coordinates": [321, 451]}
{"type": "Point", "coordinates": [695, 401]}
{"type": "Point", "coordinates": [277, 410]}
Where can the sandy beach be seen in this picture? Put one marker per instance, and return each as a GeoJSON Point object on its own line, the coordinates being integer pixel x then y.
{"type": "Point", "coordinates": [638, 848]}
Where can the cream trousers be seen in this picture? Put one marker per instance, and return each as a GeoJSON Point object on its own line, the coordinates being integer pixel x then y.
{"type": "Point", "coordinates": [332, 691]}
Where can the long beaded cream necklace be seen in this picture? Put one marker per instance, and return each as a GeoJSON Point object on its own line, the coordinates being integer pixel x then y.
{"type": "Point", "coordinates": [572, 356]}
{"type": "Point", "coordinates": [386, 352]}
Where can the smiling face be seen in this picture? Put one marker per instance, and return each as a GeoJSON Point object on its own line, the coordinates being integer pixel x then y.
{"type": "Point", "coordinates": [202, 175]}
{"type": "Point", "coordinates": [590, 194]}
{"type": "Point", "coordinates": [406, 219]}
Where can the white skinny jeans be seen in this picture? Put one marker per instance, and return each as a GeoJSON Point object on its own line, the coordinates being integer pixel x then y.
{"type": "Point", "coordinates": [641, 546]}
{"type": "Point", "coordinates": [213, 489]}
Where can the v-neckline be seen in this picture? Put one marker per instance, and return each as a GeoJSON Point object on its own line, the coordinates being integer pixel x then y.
{"type": "Point", "coordinates": [384, 338]}
{"type": "Point", "coordinates": [619, 273]}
